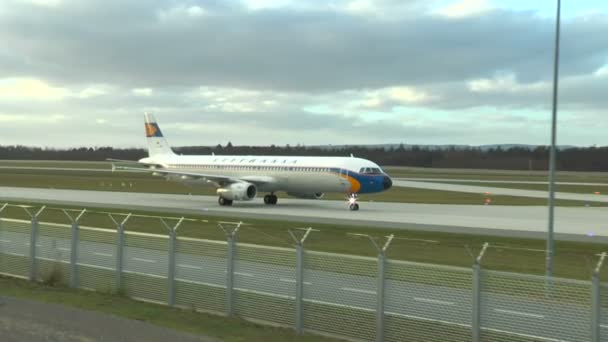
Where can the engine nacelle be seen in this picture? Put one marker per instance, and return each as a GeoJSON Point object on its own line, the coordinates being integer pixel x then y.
{"type": "Point", "coordinates": [312, 195]}
{"type": "Point", "coordinates": [241, 191]}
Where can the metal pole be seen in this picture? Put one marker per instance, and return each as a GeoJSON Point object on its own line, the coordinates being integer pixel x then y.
{"type": "Point", "coordinates": [476, 294]}
{"type": "Point", "coordinates": [596, 301]}
{"type": "Point", "coordinates": [230, 277]}
{"type": "Point", "coordinates": [171, 271]}
{"type": "Point", "coordinates": [553, 151]}
{"type": "Point", "coordinates": [299, 323]}
{"type": "Point", "coordinates": [476, 321]}
{"type": "Point", "coordinates": [380, 298]}
{"type": "Point", "coordinates": [74, 247]}
{"type": "Point", "coordinates": [299, 289]}
{"type": "Point", "coordinates": [171, 266]}
{"type": "Point", "coordinates": [230, 236]}
{"type": "Point", "coordinates": [381, 282]}
{"type": "Point", "coordinates": [120, 242]}
{"type": "Point", "coordinates": [33, 239]}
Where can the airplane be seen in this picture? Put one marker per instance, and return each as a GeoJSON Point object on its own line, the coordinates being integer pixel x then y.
{"type": "Point", "coordinates": [241, 178]}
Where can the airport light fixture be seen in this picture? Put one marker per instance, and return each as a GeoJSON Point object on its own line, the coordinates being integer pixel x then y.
{"type": "Point", "coordinates": [553, 150]}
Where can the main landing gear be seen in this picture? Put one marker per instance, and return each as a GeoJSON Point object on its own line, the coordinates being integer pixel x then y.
{"type": "Point", "coordinates": [271, 199]}
{"type": "Point", "coordinates": [352, 202]}
{"type": "Point", "coordinates": [224, 202]}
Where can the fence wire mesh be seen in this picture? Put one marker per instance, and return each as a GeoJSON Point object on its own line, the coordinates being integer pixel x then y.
{"type": "Point", "coordinates": [427, 303]}
{"type": "Point", "coordinates": [518, 307]}
{"type": "Point", "coordinates": [53, 252]}
{"type": "Point", "coordinates": [603, 312]}
{"type": "Point", "coordinates": [145, 265]}
{"type": "Point", "coordinates": [97, 259]}
{"type": "Point", "coordinates": [200, 274]}
{"type": "Point", "coordinates": [264, 283]}
{"type": "Point", "coordinates": [14, 252]}
{"type": "Point", "coordinates": [422, 302]}
{"type": "Point", "coordinates": [340, 295]}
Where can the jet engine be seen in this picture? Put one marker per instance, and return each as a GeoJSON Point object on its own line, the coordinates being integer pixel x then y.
{"type": "Point", "coordinates": [303, 195]}
{"type": "Point", "coordinates": [241, 191]}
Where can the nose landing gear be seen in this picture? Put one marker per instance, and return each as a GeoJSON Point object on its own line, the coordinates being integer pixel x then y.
{"type": "Point", "coordinates": [352, 202]}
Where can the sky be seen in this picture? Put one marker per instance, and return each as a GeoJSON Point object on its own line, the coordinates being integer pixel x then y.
{"type": "Point", "coordinates": [261, 72]}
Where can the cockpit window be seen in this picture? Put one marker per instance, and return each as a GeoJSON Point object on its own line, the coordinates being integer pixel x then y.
{"type": "Point", "coordinates": [370, 170]}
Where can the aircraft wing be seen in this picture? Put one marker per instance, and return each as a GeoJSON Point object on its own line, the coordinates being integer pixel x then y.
{"type": "Point", "coordinates": [130, 162]}
{"type": "Point", "coordinates": [216, 179]}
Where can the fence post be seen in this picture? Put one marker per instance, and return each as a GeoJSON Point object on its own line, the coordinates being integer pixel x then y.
{"type": "Point", "coordinates": [120, 242]}
{"type": "Point", "coordinates": [380, 298]}
{"type": "Point", "coordinates": [476, 293]}
{"type": "Point", "coordinates": [596, 301]}
{"type": "Point", "coordinates": [33, 239]}
{"type": "Point", "coordinates": [381, 282]}
{"type": "Point", "coordinates": [299, 321]}
{"type": "Point", "coordinates": [171, 265]}
{"type": "Point", "coordinates": [74, 247]}
{"type": "Point", "coordinates": [231, 237]}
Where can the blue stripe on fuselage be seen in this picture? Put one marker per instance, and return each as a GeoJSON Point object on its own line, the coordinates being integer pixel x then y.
{"type": "Point", "coordinates": [369, 183]}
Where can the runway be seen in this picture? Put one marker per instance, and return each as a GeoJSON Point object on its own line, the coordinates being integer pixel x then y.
{"type": "Point", "coordinates": [500, 191]}
{"type": "Point", "coordinates": [574, 224]}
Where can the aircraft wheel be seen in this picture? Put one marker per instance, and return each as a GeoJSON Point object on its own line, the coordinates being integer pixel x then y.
{"type": "Point", "coordinates": [224, 202]}
{"type": "Point", "coordinates": [354, 206]}
{"type": "Point", "coordinates": [271, 199]}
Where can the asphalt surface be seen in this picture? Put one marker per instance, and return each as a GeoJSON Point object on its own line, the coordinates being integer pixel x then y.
{"type": "Point", "coordinates": [447, 302]}
{"type": "Point", "coordinates": [500, 191]}
{"type": "Point", "coordinates": [574, 224]}
{"type": "Point", "coordinates": [29, 321]}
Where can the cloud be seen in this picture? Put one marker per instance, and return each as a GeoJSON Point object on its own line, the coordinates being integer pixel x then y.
{"type": "Point", "coordinates": [296, 71]}
{"type": "Point", "coordinates": [466, 8]}
{"type": "Point", "coordinates": [30, 89]}
{"type": "Point", "coordinates": [505, 84]}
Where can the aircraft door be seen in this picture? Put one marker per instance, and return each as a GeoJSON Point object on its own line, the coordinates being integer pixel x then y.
{"type": "Point", "coordinates": [344, 183]}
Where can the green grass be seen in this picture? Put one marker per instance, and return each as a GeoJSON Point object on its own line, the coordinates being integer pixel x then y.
{"type": "Point", "coordinates": [503, 175]}
{"type": "Point", "coordinates": [142, 182]}
{"type": "Point", "coordinates": [578, 189]}
{"type": "Point", "coordinates": [57, 163]}
{"type": "Point", "coordinates": [229, 330]}
{"type": "Point", "coordinates": [573, 259]}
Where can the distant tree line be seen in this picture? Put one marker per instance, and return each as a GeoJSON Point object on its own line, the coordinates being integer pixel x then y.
{"type": "Point", "coordinates": [514, 158]}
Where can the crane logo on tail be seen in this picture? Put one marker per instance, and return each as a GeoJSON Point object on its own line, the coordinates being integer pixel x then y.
{"type": "Point", "coordinates": [152, 130]}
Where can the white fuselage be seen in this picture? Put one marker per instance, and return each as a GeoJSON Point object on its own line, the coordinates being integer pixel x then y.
{"type": "Point", "coordinates": [301, 175]}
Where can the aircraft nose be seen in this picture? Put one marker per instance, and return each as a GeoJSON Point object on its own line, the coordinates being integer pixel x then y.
{"type": "Point", "coordinates": [388, 183]}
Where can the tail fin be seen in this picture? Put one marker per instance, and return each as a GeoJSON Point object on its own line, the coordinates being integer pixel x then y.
{"type": "Point", "coordinates": [157, 145]}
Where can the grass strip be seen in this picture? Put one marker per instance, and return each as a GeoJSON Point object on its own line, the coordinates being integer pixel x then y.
{"type": "Point", "coordinates": [227, 329]}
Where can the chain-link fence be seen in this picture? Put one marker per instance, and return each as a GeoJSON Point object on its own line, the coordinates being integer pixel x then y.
{"type": "Point", "coordinates": [350, 297]}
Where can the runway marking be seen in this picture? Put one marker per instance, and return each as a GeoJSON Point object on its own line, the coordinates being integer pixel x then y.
{"type": "Point", "coordinates": [433, 301]}
{"type": "Point", "coordinates": [293, 281]}
{"type": "Point", "coordinates": [5, 241]}
{"type": "Point", "coordinates": [358, 290]}
{"type": "Point", "coordinates": [102, 254]}
{"type": "Point", "coordinates": [37, 245]}
{"type": "Point", "coordinates": [144, 260]}
{"type": "Point", "coordinates": [190, 266]}
{"type": "Point", "coordinates": [17, 254]}
{"type": "Point", "coordinates": [604, 326]}
{"type": "Point", "coordinates": [244, 274]}
{"type": "Point", "coordinates": [517, 313]}
{"type": "Point", "coordinates": [64, 249]}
